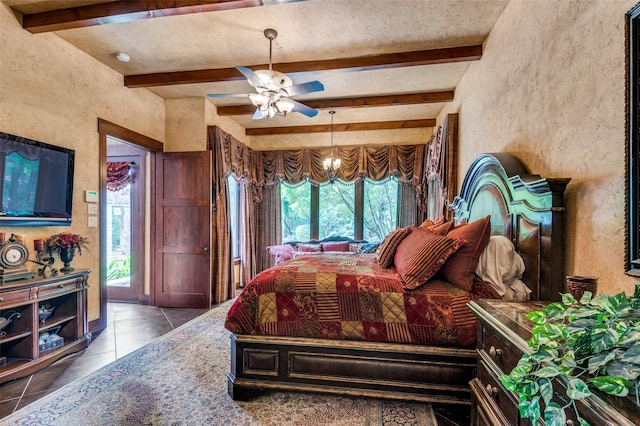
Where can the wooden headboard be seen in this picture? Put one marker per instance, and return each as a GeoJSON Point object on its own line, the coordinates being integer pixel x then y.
{"type": "Point", "coordinates": [524, 207]}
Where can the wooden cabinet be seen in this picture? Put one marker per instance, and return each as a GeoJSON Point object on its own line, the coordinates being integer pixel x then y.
{"type": "Point", "coordinates": [21, 351]}
{"type": "Point", "coordinates": [503, 332]}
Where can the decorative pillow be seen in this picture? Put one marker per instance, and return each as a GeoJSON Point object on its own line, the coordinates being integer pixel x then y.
{"type": "Point", "coordinates": [335, 246]}
{"type": "Point", "coordinates": [354, 247]}
{"type": "Point", "coordinates": [388, 247]}
{"type": "Point", "coordinates": [461, 267]}
{"type": "Point", "coordinates": [440, 229]}
{"type": "Point", "coordinates": [281, 252]}
{"type": "Point", "coordinates": [309, 247]}
{"type": "Point", "coordinates": [430, 222]}
{"type": "Point", "coordinates": [421, 254]}
{"type": "Point", "coordinates": [368, 248]}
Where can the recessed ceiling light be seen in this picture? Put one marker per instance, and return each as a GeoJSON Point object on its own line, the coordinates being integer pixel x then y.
{"type": "Point", "coordinates": [122, 57]}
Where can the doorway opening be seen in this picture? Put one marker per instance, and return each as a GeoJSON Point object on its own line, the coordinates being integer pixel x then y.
{"type": "Point", "coordinates": [125, 201]}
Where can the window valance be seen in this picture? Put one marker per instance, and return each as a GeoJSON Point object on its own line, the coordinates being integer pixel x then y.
{"type": "Point", "coordinates": [118, 175]}
{"type": "Point", "coordinates": [267, 168]}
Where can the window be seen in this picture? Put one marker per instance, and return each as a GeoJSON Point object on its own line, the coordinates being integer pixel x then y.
{"type": "Point", "coordinates": [362, 210]}
{"type": "Point", "coordinates": [336, 210]}
{"type": "Point", "coordinates": [296, 211]}
{"type": "Point", "coordinates": [234, 214]}
{"type": "Point", "coordinates": [380, 209]}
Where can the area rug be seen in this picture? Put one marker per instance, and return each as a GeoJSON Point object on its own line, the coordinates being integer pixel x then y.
{"type": "Point", "coordinates": [181, 379]}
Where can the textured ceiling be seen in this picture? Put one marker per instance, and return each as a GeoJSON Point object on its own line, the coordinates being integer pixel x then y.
{"type": "Point", "coordinates": [308, 30]}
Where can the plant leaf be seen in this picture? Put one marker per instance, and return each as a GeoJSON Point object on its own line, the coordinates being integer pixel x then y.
{"type": "Point", "coordinates": [632, 354]}
{"type": "Point", "coordinates": [546, 390]}
{"type": "Point", "coordinates": [549, 371]}
{"type": "Point", "coordinates": [586, 297]}
{"type": "Point", "coordinates": [612, 385]}
{"type": "Point", "coordinates": [567, 298]}
{"type": "Point", "coordinates": [577, 389]}
{"type": "Point", "coordinates": [636, 293]}
{"type": "Point", "coordinates": [599, 360]}
{"type": "Point", "coordinates": [624, 370]}
{"type": "Point", "coordinates": [537, 317]}
{"type": "Point", "coordinates": [554, 415]}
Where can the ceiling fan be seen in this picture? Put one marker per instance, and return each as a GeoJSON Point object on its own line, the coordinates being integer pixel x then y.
{"type": "Point", "coordinates": [274, 89]}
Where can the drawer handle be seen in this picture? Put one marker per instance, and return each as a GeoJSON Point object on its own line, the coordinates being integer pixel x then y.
{"type": "Point", "coordinates": [492, 391]}
{"type": "Point", "coordinates": [61, 286]}
{"type": "Point", "coordinates": [493, 352]}
{"type": "Point", "coordinates": [1, 299]}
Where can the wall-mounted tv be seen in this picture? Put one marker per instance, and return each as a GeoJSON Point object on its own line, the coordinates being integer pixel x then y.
{"type": "Point", "coordinates": [37, 182]}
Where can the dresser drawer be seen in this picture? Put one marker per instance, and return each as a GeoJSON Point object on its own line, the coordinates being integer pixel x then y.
{"type": "Point", "coordinates": [497, 394]}
{"type": "Point", "coordinates": [53, 290]}
{"type": "Point", "coordinates": [9, 299]}
{"type": "Point", "coordinates": [503, 353]}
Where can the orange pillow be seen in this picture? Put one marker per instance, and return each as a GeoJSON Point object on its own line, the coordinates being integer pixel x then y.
{"type": "Point", "coordinates": [441, 229]}
{"type": "Point", "coordinates": [421, 254]}
{"type": "Point", "coordinates": [461, 266]}
{"type": "Point", "coordinates": [388, 247]}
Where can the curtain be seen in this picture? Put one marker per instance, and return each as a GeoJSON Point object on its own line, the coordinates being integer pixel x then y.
{"type": "Point", "coordinates": [440, 169]}
{"type": "Point", "coordinates": [269, 220]}
{"type": "Point", "coordinates": [221, 255]}
{"type": "Point", "coordinates": [248, 257]}
{"type": "Point", "coordinates": [407, 207]}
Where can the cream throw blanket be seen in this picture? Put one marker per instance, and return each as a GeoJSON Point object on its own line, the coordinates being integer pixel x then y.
{"type": "Point", "coordinates": [502, 267]}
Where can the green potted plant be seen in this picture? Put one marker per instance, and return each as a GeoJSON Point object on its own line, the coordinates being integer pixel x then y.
{"type": "Point", "coordinates": [593, 343]}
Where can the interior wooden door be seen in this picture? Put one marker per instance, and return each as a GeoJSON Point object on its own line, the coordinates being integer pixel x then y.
{"type": "Point", "coordinates": [183, 230]}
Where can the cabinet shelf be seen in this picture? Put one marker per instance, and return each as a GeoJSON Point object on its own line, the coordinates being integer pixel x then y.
{"type": "Point", "coordinates": [20, 346]}
{"type": "Point", "coordinates": [10, 337]}
{"type": "Point", "coordinates": [54, 322]}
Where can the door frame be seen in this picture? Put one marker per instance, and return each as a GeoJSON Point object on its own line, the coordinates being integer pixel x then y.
{"type": "Point", "coordinates": [126, 136]}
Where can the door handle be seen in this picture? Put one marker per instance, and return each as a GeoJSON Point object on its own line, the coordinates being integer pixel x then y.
{"type": "Point", "coordinates": [205, 249]}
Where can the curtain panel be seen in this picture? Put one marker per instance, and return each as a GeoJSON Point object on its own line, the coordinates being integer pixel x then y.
{"type": "Point", "coordinates": [118, 175]}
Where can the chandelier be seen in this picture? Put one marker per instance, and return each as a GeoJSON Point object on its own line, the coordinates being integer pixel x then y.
{"type": "Point", "coordinates": [331, 165]}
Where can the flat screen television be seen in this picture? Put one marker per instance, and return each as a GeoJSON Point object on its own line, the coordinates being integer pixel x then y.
{"type": "Point", "coordinates": [37, 182]}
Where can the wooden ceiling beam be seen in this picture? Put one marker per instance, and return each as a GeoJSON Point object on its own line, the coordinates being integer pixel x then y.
{"type": "Point", "coordinates": [345, 127]}
{"type": "Point", "coordinates": [126, 11]}
{"type": "Point", "coordinates": [358, 102]}
{"type": "Point", "coordinates": [361, 63]}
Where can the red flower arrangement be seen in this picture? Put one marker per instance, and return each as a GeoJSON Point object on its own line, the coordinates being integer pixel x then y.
{"type": "Point", "coordinates": [66, 240]}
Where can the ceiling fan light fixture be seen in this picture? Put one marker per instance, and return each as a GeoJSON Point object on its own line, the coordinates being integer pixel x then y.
{"type": "Point", "coordinates": [285, 106]}
{"type": "Point", "coordinates": [259, 100]}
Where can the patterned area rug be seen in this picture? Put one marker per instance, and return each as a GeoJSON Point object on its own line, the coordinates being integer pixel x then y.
{"type": "Point", "coordinates": [181, 379]}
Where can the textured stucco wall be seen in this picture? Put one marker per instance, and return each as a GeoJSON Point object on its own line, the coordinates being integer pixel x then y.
{"type": "Point", "coordinates": [550, 88]}
{"type": "Point", "coordinates": [52, 92]}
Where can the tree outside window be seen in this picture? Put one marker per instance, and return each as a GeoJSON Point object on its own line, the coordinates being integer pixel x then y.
{"type": "Point", "coordinates": [296, 211]}
{"type": "Point", "coordinates": [380, 209]}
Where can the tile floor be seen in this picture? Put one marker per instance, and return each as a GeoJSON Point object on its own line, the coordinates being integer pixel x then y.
{"type": "Point", "coordinates": [129, 327]}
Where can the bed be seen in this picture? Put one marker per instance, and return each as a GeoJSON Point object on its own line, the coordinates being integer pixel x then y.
{"type": "Point", "coordinates": [394, 358]}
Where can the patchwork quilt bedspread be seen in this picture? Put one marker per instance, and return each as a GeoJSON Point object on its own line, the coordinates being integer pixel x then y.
{"type": "Point", "coordinates": [352, 297]}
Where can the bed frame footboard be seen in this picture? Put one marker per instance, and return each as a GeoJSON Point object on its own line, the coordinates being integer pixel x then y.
{"type": "Point", "coordinates": [383, 370]}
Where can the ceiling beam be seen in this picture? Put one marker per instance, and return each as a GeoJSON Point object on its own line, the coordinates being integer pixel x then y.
{"type": "Point", "coordinates": [126, 11]}
{"type": "Point", "coordinates": [345, 127]}
{"type": "Point", "coordinates": [360, 63]}
{"type": "Point", "coordinates": [359, 102]}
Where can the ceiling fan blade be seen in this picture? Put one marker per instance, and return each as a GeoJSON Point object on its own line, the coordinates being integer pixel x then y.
{"type": "Point", "coordinates": [303, 109]}
{"type": "Point", "coordinates": [228, 95]}
{"type": "Point", "coordinates": [253, 78]}
{"type": "Point", "coordinates": [258, 115]}
{"type": "Point", "coordinates": [299, 89]}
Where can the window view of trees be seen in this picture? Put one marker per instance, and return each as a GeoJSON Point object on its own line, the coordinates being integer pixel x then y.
{"type": "Point", "coordinates": [296, 212]}
{"type": "Point", "coordinates": [337, 212]}
{"type": "Point", "coordinates": [380, 209]}
{"type": "Point", "coordinates": [234, 214]}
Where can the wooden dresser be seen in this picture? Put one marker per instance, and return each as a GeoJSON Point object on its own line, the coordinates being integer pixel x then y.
{"type": "Point", "coordinates": [503, 332]}
{"type": "Point", "coordinates": [21, 351]}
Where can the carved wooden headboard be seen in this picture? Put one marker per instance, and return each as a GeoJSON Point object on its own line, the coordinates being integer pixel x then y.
{"type": "Point", "coordinates": [524, 207]}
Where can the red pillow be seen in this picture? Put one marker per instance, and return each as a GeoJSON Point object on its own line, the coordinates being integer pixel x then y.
{"type": "Point", "coordinates": [336, 246]}
{"type": "Point", "coordinates": [388, 247]}
{"type": "Point", "coordinates": [421, 254]}
{"type": "Point", "coordinates": [461, 266]}
{"type": "Point", "coordinates": [309, 248]}
{"type": "Point", "coordinates": [441, 229]}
